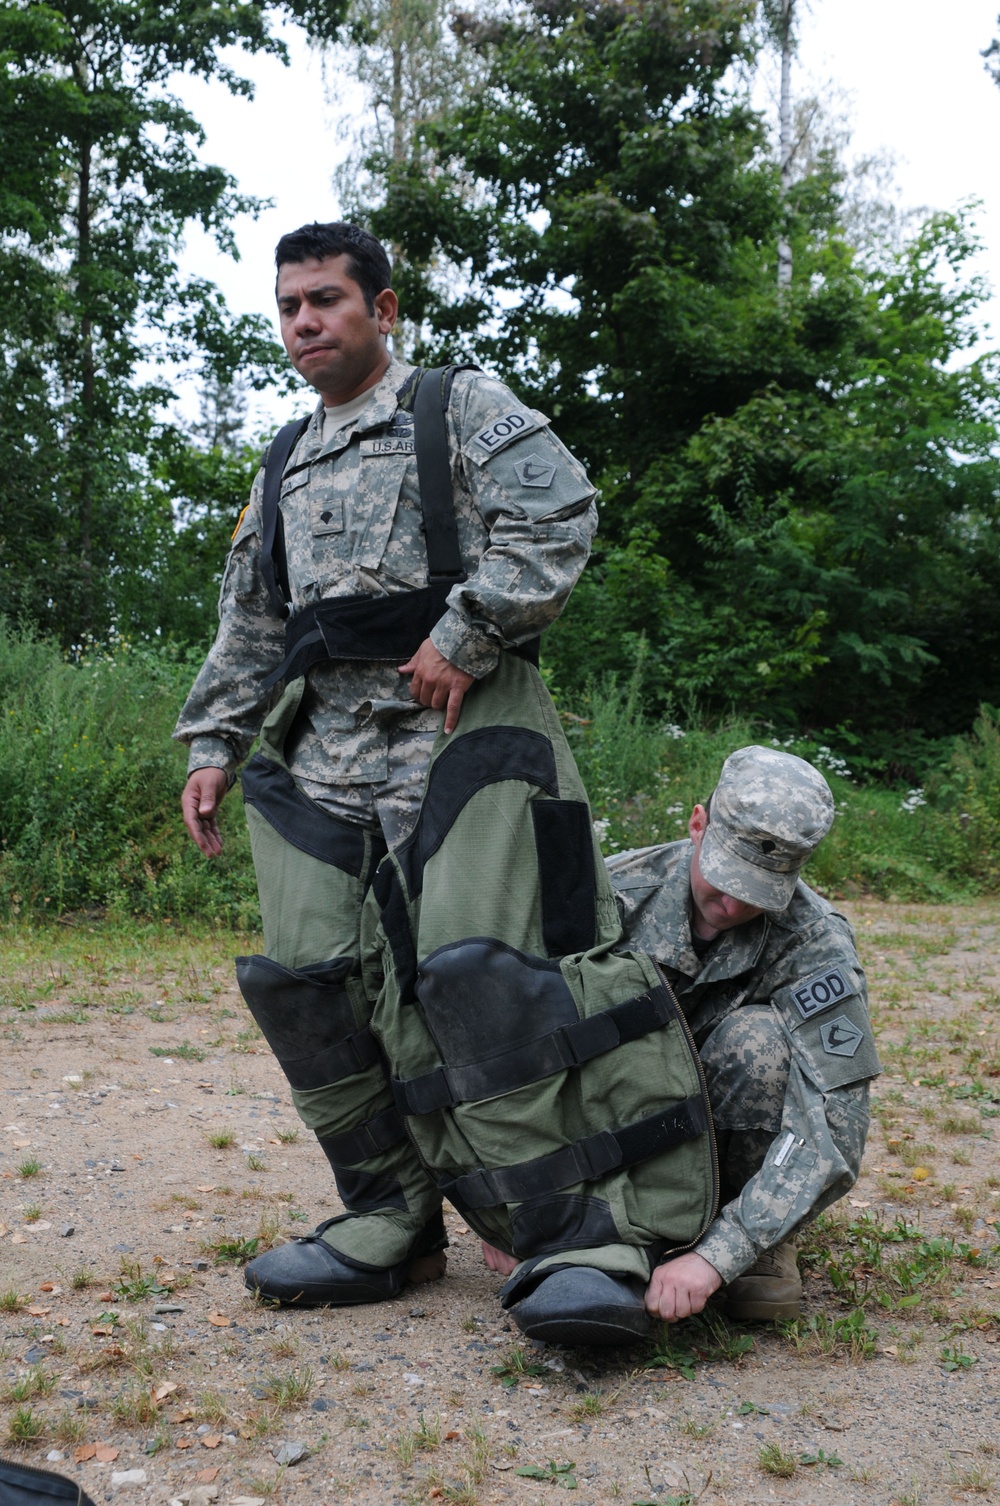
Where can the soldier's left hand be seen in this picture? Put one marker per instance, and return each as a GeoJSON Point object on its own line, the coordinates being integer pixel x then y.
{"type": "Point", "coordinates": [437, 682]}
{"type": "Point", "coordinates": [681, 1287]}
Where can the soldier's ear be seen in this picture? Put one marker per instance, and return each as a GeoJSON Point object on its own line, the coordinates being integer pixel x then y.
{"type": "Point", "coordinates": [697, 823]}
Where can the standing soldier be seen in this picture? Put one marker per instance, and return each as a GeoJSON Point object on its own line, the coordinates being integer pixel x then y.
{"type": "Point", "coordinates": [439, 983]}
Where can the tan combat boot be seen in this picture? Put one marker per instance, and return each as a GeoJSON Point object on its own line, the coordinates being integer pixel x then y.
{"type": "Point", "coordinates": [769, 1292]}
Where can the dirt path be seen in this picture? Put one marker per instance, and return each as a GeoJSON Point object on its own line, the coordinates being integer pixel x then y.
{"type": "Point", "coordinates": [125, 1059]}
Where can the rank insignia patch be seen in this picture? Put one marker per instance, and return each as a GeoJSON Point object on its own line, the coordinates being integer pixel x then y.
{"type": "Point", "coordinates": [534, 471]}
{"type": "Point", "coordinates": [841, 1037]}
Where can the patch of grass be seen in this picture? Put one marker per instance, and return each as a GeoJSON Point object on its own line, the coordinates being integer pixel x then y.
{"type": "Point", "coordinates": [821, 1334]}
{"type": "Point", "coordinates": [592, 1404]}
{"type": "Point", "coordinates": [32, 1213]}
{"type": "Point", "coordinates": [425, 1437]}
{"type": "Point", "coordinates": [69, 1427]}
{"type": "Point", "coordinates": [774, 1461]}
{"type": "Point", "coordinates": [34, 1383]}
{"type": "Point", "coordinates": [552, 1473]}
{"type": "Point", "coordinates": [212, 1408]}
{"type": "Point", "coordinates": [28, 1168]}
{"type": "Point", "coordinates": [222, 1139]}
{"type": "Point", "coordinates": [133, 1286]}
{"type": "Point", "coordinates": [24, 1426]}
{"type": "Point", "coordinates": [11, 1301]}
{"type": "Point", "coordinates": [285, 1392]}
{"type": "Point", "coordinates": [287, 1136]}
{"type": "Point", "coordinates": [134, 1408]}
{"type": "Point", "coordinates": [81, 1278]}
{"type": "Point", "coordinates": [256, 1163]}
{"type": "Point", "coordinates": [185, 1052]}
{"type": "Point", "coordinates": [515, 1366]}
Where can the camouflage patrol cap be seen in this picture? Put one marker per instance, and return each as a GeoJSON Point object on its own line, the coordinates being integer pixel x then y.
{"type": "Point", "coordinates": [768, 812]}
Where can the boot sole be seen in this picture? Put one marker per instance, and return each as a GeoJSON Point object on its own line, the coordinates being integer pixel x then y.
{"type": "Point", "coordinates": [595, 1331]}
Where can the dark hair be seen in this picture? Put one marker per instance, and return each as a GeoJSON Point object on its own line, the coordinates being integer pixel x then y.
{"type": "Point", "coordinates": [368, 264]}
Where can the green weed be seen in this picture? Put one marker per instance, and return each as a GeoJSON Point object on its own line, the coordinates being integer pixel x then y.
{"type": "Point", "coordinates": [515, 1366]}
{"type": "Point", "coordinates": [774, 1461]}
{"type": "Point", "coordinates": [185, 1052]}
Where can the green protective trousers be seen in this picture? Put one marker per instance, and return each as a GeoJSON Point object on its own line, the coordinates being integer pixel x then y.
{"type": "Point", "coordinates": [548, 1081]}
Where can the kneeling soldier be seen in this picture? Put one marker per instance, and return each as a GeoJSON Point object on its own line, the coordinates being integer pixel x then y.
{"type": "Point", "coordinates": [769, 980]}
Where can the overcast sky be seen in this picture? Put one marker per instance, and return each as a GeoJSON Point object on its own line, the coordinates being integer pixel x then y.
{"type": "Point", "coordinates": [915, 86]}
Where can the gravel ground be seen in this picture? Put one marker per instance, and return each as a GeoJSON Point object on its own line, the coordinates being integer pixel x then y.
{"type": "Point", "coordinates": [128, 1340]}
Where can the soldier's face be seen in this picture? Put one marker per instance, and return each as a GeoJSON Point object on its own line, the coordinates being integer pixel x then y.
{"type": "Point", "coordinates": [330, 336]}
{"type": "Point", "coordinates": [714, 911]}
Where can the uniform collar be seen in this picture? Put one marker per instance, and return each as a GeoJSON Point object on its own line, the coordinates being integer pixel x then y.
{"type": "Point", "coordinates": [380, 409]}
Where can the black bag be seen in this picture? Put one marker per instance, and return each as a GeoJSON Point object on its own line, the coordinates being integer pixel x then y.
{"type": "Point", "coordinates": [24, 1485]}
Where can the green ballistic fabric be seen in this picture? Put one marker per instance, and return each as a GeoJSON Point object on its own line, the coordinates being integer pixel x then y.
{"type": "Point", "coordinates": [312, 913]}
{"type": "Point", "coordinates": [483, 881]}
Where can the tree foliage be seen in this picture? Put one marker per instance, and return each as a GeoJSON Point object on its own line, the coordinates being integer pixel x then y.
{"type": "Point", "coordinates": [800, 492]}
{"type": "Point", "coordinates": [99, 176]}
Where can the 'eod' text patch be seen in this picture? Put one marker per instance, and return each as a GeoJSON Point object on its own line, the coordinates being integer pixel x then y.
{"type": "Point", "coordinates": [503, 430]}
{"type": "Point", "coordinates": [817, 993]}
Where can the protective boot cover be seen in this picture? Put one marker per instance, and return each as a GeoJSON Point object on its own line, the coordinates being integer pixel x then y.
{"type": "Point", "coordinates": [548, 1081]}
{"type": "Point", "coordinates": [314, 872]}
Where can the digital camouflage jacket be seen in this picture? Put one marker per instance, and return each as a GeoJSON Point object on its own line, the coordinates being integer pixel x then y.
{"type": "Point", "coordinates": [353, 527]}
{"type": "Point", "coordinates": [802, 964]}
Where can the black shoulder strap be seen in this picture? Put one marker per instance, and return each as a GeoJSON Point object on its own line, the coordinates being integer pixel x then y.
{"type": "Point", "coordinates": [437, 499]}
{"type": "Point", "coordinates": [273, 566]}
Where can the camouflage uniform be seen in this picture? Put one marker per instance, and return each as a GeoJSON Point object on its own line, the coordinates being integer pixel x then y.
{"type": "Point", "coordinates": [353, 526]}
{"type": "Point", "coordinates": [778, 1010]}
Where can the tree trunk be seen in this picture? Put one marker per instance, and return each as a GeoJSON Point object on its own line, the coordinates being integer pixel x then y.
{"type": "Point", "coordinates": [786, 147]}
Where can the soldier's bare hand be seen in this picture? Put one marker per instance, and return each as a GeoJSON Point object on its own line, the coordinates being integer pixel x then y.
{"type": "Point", "coordinates": [680, 1288]}
{"type": "Point", "coordinates": [200, 801]}
{"type": "Point", "coordinates": [437, 682]}
{"type": "Point", "coordinates": [499, 1260]}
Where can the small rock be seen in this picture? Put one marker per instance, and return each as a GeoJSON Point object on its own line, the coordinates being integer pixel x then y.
{"type": "Point", "coordinates": [247, 1501]}
{"type": "Point", "coordinates": [167, 1307]}
{"type": "Point", "coordinates": [54, 1456]}
{"type": "Point", "coordinates": [321, 1404]}
{"type": "Point", "coordinates": [35, 1355]}
{"type": "Point", "coordinates": [290, 1453]}
{"type": "Point", "coordinates": [127, 1477]}
{"type": "Point", "coordinates": [66, 1230]}
{"type": "Point", "coordinates": [88, 1404]}
{"type": "Point", "coordinates": [206, 1427]}
{"type": "Point", "coordinates": [116, 1166]}
{"type": "Point", "coordinates": [200, 1265]}
{"type": "Point", "coordinates": [418, 1312]}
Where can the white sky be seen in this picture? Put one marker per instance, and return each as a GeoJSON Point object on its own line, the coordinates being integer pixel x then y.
{"type": "Point", "coordinates": [912, 71]}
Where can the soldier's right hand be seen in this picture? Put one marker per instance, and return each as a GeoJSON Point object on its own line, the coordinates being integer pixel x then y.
{"type": "Point", "coordinates": [200, 801]}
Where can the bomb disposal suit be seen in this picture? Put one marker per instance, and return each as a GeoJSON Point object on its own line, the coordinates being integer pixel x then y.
{"type": "Point", "coordinates": [451, 1017]}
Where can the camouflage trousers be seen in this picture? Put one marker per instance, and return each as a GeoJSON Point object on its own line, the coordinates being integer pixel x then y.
{"type": "Point", "coordinates": [746, 1060]}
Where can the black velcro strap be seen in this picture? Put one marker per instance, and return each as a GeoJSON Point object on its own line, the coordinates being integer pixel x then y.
{"type": "Point", "coordinates": [359, 627]}
{"type": "Point", "coordinates": [273, 568]}
{"type": "Point", "coordinates": [369, 1139]}
{"type": "Point", "coordinates": [342, 1059]}
{"type": "Point", "coordinates": [585, 1160]}
{"type": "Point", "coordinates": [568, 1046]}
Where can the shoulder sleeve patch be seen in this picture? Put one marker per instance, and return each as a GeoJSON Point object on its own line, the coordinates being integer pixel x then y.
{"type": "Point", "coordinates": [822, 990]}
{"type": "Point", "coordinates": [504, 430]}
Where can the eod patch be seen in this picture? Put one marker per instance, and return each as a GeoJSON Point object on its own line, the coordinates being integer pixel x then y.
{"type": "Point", "coordinates": [821, 991]}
